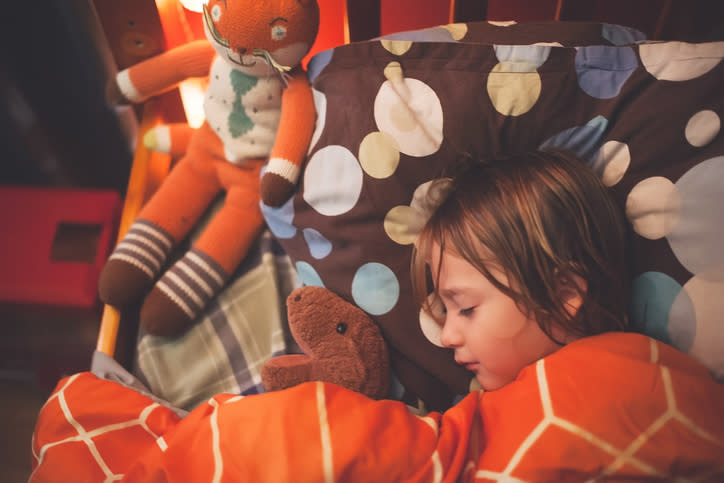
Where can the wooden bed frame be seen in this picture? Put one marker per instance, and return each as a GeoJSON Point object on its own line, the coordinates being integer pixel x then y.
{"type": "Point", "coordinates": [137, 29]}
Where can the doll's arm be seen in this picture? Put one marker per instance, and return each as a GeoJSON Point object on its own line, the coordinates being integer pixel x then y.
{"type": "Point", "coordinates": [296, 127]}
{"type": "Point", "coordinates": [162, 72]}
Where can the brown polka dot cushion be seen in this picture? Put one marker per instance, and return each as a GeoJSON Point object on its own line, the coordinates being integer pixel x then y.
{"type": "Point", "coordinates": [393, 112]}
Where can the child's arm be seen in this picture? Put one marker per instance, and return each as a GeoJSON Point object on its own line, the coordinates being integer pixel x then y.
{"type": "Point", "coordinates": [162, 72]}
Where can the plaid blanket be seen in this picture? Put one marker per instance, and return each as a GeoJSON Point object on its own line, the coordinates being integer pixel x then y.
{"type": "Point", "coordinates": [236, 334]}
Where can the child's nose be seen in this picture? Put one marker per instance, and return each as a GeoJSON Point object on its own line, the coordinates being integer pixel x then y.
{"type": "Point", "coordinates": [450, 336]}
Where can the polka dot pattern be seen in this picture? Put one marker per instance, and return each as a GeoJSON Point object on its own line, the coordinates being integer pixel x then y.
{"type": "Point", "coordinates": [395, 112]}
{"type": "Point", "coordinates": [702, 128]}
{"type": "Point", "coordinates": [700, 193]}
{"type": "Point", "coordinates": [409, 111]}
{"type": "Point", "coordinates": [582, 140]}
{"type": "Point", "coordinates": [679, 61]}
{"type": "Point", "coordinates": [332, 181]}
{"type": "Point", "coordinates": [653, 207]}
{"type": "Point", "coordinates": [375, 288]}
{"type": "Point", "coordinates": [603, 71]}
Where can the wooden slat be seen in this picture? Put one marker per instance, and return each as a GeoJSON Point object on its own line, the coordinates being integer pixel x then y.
{"type": "Point", "coordinates": [144, 171]}
{"type": "Point", "coordinates": [362, 20]}
{"type": "Point", "coordinates": [662, 20]}
{"type": "Point", "coordinates": [575, 10]}
{"type": "Point", "coordinates": [468, 10]}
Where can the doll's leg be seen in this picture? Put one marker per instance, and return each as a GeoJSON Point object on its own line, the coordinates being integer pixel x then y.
{"type": "Point", "coordinates": [165, 220]}
{"type": "Point", "coordinates": [187, 287]}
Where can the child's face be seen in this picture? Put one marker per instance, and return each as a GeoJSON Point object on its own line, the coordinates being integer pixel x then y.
{"type": "Point", "coordinates": [490, 335]}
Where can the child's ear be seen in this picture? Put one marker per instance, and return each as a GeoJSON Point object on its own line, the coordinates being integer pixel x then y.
{"type": "Point", "coordinates": [571, 289]}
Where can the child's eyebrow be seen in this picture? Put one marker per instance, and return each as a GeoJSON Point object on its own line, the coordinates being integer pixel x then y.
{"type": "Point", "coordinates": [449, 293]}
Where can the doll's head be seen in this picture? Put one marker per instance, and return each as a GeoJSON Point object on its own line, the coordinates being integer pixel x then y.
{"type": "Point", "coordinates": [254, 34]}
{"type": "Point", "coordinates": [545, 222]}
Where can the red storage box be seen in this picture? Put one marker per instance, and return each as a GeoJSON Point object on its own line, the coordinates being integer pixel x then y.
{"type": "Point", "coordinates": [53, 244]}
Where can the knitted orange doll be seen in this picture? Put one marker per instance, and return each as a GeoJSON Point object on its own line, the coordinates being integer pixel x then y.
{"type": "Point", "coordinates": [259, 111]}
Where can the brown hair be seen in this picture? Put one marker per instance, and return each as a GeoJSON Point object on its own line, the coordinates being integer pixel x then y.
{"type": "Point", "coordinates": [541, 216]}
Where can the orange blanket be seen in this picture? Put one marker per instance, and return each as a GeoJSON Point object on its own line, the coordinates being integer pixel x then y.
{"type": "Point", "coordinates": [610, 407]}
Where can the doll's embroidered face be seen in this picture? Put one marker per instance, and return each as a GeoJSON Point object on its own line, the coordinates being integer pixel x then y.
{"type": "Point", "coordinates": [253, 35]}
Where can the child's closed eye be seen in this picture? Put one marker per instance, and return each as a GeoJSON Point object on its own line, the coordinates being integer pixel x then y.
{"type": "Point", "coordinates": [467, 312]}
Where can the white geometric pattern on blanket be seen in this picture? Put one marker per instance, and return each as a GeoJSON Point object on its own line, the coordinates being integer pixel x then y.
{"type": "Point", "coordinates": [87, 436]}
{"type": "Point", "coordinates": [326, 446]}
{"type": "Point", "coordinates": [623, 456]}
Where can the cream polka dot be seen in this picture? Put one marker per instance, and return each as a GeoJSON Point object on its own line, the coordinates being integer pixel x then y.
{"type": "Point", "coordinates": [403, 117]}
{"type": "Point", "coordinates": [393, 72]}
{"type": "Point", "coordinates": [697, 237]}
{"type": "Point", "coordinates": [431, 329]}
{"type": "Point", "coordinates": [702, 128]}
{"type": "Point", "coordinates": [379, 155]}
{"type": "Point", "coordinates": [396, 47]}
{"type": "Point", "coordinates": [549, 44]}
{"type": "Point", "coordinates": [612, 162]}
{"type": "Point", "coordinates": [410, 111]}
{"type": "Point", "coordinates": [332, 181]}
{"type": "Point", "coordinates": [403, 224]}
{"type": "Point", "coordinates": [429, 195]}
{"type": "Point", "coordinates": [506, 23]}
{"type": "Point", "coordinates": [680, 61]}
{"type": "Point", "coordinates": [705, 291]}
{"type": "Point", "coordinates": [320, 105]}
{"type": "Point", "coordinates": [511, 91]}
{"type": "Point", "coordinates": [457, 30]}
{"type": "Point", "coordinates": [653, 207]}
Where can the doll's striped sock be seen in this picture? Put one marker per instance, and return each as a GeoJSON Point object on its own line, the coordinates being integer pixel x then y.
{"type": "Point", "coordinates": [134, 263]}
{"type": "Point", "coordinates": [182, 293]}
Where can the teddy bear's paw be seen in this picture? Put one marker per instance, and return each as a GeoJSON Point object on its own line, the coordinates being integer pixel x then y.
{"type": "Point", "coordinates": [285, 371]}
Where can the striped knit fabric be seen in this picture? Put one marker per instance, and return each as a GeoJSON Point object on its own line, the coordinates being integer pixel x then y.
{"type": "Point", "coordinates": [146, 246]}
{"type": "Point", "coordinates": [192, 282]}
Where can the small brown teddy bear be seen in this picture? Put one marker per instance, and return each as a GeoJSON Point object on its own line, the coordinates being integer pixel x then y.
{"type": "Point", "coordinates": [341, 345]}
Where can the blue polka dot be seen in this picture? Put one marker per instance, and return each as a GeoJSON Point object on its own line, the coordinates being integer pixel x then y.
{"type": "Point", "coordinates": [524, 56]}
{"type": "Point", "coordinates": [280, 219]}
{"type": "Point", "coordinates": [317, 63]}
{"type": "Point", "coordinates": [318, 245]}
{"type": "Point", "coordinates": [397, 390]}
{"type": "Point", "coordinates": [620, 35]}
{"type": "Point", "coordinates": [682, 322]}
{"type": "Point", "coordinates": [308, 275]}
{"type": "Point", "coordinates": [652, 296]}
{"type": "Point", "coordinates": [375, 288]}
{"type": "Point", "coordinates": [585, 141]}
{"type": "Point", "coordinates": [603, 70]}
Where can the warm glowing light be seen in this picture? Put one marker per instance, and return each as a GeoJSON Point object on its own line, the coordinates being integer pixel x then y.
{"type": "Point", "coordinates": [192, 96]}
{"type": "Point", "coordinates": [193, 5]}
